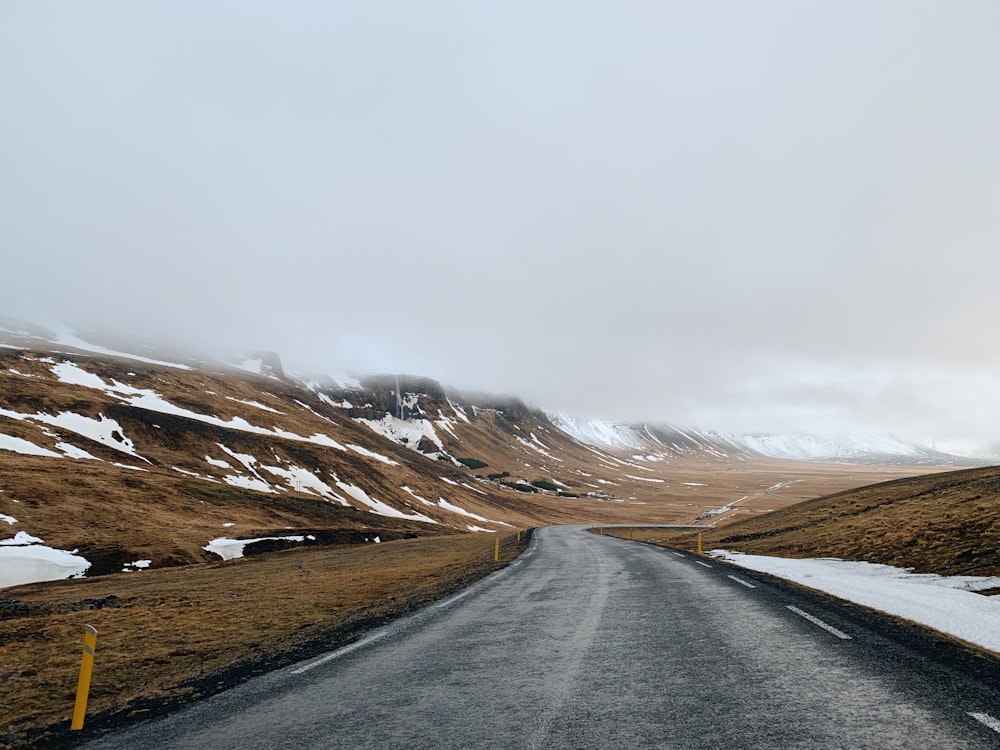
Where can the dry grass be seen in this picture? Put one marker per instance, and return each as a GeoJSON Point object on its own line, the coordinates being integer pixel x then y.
{"type": "Point", "coordinates": [944, 523]}
{"type": "Point", "coordinates": [179, 633]}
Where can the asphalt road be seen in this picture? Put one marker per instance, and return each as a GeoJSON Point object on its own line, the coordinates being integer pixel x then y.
{"type": "Point", "coordinates": [594, 642]}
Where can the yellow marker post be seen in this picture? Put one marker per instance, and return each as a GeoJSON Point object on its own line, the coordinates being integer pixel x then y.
{"type": "Point", "coordinates": [496, 549]}
{"type": "Point", "coordinates": [86, 672]}
{"type": "Point", "coordinates": [630, 535]}
{"type": "Point", "coordinates": [518, 535]}
{"type": "Point", "coordinates": [699, 542]}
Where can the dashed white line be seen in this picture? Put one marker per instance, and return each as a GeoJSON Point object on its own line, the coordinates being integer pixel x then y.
{"type": "Point", "coordinates": [816, 621]}
{"type": "Point", "coordinates": [986, 719]}
{"type": "Point", "coordinates": [699, 562]}
{"type": "Point", "coordinates": [741, 582]}
{"type": "Point", "coordinates": [678, 554]}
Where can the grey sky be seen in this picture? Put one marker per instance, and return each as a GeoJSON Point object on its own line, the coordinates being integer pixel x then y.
{"type": "Point", "coordinates": [767, 215]}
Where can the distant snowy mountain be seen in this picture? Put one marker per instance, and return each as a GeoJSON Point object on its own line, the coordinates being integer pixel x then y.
{"type": "Point", "coordinates": [666, 441]}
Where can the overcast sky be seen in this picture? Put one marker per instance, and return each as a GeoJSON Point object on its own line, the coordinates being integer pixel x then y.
{"type": "Point", "coordinates": [733, 215]}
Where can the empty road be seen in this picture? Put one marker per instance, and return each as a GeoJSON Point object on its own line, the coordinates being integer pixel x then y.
{"type": "Point", "coordinates": [593, 642]}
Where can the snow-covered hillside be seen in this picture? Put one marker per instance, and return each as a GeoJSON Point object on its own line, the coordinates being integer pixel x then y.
{"type": "Point", "coordinates": [667, 440]}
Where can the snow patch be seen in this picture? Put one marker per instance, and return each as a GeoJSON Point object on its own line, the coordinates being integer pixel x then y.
{"type": "Point", "coordinates": [403, 431]}
{"type": "Point", "coordinates": [257, 404]}
{"type": "Point", "coordinates": [231, 549]}
{"type": "Point", "coordinates": [36, 563]}
{"type": "Point", "coordinates": [372, 454]}
{"type": "Point", "coordinates": [25, 447]}
{"type": "Point", "coordinates": [377, 506]}
{"type": "Point", "coordinates": [944, 603]}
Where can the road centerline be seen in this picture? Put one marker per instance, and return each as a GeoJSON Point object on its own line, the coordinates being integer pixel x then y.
{"type": "Point", "coordinates": [742, 582]}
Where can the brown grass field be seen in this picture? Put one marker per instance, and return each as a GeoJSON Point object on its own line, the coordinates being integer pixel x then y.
{"type": "Point", "coordinates": [942, 523]}
{"type": "Point", "coordinates": [175, 634]}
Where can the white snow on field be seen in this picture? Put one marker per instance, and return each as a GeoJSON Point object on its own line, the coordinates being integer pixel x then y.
{"type": "Point", "coordinates": [152, 401]}
{"type": "Point", "coordinates": [313, 411]}
{"type": "Point", "coordinates": [66, 338]}
{"type": "Point", "coordinates": [424, 500]}
{"type": "Point", "coordinates": [646, 479]}
{"type": "Point", "coordinates": [36, 562]}
{"type": "Point", "coordinates": [244, 458]}
{"type": "Point", "coordinates": [103, 430]}
{"type": "Point", "coordinates": [442, 503]}
{"type": "Point", "coordinates": [8, 519]}
{"type": "Point", "coordinates": [447, 424]}
{"type": "Point", "coordinates": [70, 372]}
{"type": "Point", "coordinates": [345, 404]}
{"type": "Point", "coordinates": [377, 506]}
{"type": "Point", "coordinates": [230, 549]}
{"type": "Point", "coordinates": [257, 404]}
{"type": "Point", "coordinates": [126, 466]}
{"type": "Point", "coordinates": [480, 528]}
{"type": "Point", "coordinates": [372, 454]}
{"type": "Point", "coordinates": [21, 537]}
{"type": "Point", "coordinates": [25, 447]}
{"type": "Point", "coordinates": [694, 484]}
{"type": "Point", "coordinates": [459, 412]}
{"type": "Point", "coordinates": [303, 480]}
{"type": "Point", "coordinates": [944, 603]}
{"type": "Point", "coordinates": [537, 445]}
{"type": "Point", "coordinates": [218, 463]}
{"type": "Point", "coordinates": [24, 559]}
{"type": "Point", "coordinates": [194, 474]}
{"type": "Point", "coordinates": [406, 432]}
{"type": "Point", "coordinates": [73, 452]}
{"type": "Point", "coordinates": [255, 365]}
{"type": "Point", "coordinates": [450, 481]}
{"type": "Point", "coordinates": [249, 483]}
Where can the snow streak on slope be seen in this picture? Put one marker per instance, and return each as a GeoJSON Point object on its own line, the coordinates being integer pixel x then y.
{"type": "Point", "coordinates": [406, 432]}
{"type": "Point", "coordinates": [660, 441]}
{"type": "Point", "coordinates": [68, 338]}
{"type": "Point", "coordinates": [144, 398]}
{"type": "Point", "coordinates": [613, 435]}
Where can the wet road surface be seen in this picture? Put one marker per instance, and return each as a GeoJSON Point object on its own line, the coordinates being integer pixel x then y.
{"type": "Point", "coordinates": [587, 641]}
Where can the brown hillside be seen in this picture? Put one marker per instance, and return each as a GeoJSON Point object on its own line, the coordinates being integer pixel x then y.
{"type": "Point", "coordinates": [189, 455]}
{"type": "Point", "coordinates": [943, 523]}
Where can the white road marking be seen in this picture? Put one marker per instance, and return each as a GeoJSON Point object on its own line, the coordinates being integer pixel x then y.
{"type": "Point", "coordinates": [678, 554]}
{"type": "Point", "coordinates": [340, 652]}
{"type": "Point", "coordinates": [699, 562]}
{"type": "Point", "coordinates": [449, 602]}
{"type": "Point", "coordinates": [986, 719]}
{"type": "Point", "coordinates": [741, 582]}
{"type": "Point", "coordinates": [816, 621]}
